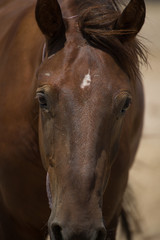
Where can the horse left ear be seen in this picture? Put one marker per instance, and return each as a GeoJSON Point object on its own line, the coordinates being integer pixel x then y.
{"type": "Point", "coordinates": [131, 20]}
{"type": "Point", "coordinates": [49, 18]}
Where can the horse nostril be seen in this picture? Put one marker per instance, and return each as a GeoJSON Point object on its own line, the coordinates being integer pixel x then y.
{"type": "Point", "coordinates": [101, 234]}
{"type": "Point", "coordinates": [56, 229]}
{"type": "Point", "coordinates": [57, 234]}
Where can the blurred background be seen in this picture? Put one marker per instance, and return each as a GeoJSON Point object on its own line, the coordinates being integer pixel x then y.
{"type": "Point", "coordinates": [145, 174]}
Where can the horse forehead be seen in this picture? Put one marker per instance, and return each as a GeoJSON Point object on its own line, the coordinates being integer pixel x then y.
{"type": "Point", "coordinates": [68, 66]}
{"type": "Point", "coordinates": [82, 67]}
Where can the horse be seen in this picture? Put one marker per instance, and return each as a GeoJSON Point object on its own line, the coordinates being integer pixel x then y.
{"type": "Point", "coordinates": [71, 109]}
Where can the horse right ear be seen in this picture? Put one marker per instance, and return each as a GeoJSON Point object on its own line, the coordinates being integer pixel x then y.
{"type": "Point", "coordinates": [49, 18]}
{"type": "Point", "coordinates": [131, 20]}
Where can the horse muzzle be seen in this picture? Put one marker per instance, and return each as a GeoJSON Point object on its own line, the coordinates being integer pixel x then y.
{"type": "Point", "coordinates": [59, 232]}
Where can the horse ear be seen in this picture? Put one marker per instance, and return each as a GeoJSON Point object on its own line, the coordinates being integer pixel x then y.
{"type": "Point", "coordinates": [49, 18]}
{"type": "Point", "coordinates": [131, 20]}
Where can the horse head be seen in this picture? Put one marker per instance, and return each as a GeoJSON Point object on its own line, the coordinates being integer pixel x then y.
{"type": "Point", "coordinates": [90, 116]}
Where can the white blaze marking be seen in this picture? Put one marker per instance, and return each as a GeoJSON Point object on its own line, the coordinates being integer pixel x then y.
{"type": "Point", "coordinates": [86, 80]}
{"type": "Point", "coordinates": [48, 238]}
{"type": "Point", "coordinates": [47, 74]}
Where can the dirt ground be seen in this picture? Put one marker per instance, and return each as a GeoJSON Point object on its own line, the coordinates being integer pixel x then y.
{"type": "Point", "coordinates": [145, 175]}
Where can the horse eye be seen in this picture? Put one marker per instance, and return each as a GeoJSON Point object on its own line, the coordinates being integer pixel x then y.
{"type": "Point", "coordinates": [126, 105]}
{"type": "Point", "coordinates": [42, 100]}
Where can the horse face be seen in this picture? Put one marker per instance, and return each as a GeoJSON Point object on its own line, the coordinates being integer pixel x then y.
{"type": "Point", "coordinates": [84, 97]}
{"type": "Point", "coordinates": [82, 107]}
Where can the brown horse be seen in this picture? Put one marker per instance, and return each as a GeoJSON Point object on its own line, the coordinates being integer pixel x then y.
{"type": "Point", "coordinates": [72, 100]}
